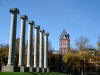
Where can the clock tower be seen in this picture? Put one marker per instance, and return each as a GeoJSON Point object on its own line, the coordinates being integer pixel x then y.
{"type": "Point", "coordinates": [64, 43]}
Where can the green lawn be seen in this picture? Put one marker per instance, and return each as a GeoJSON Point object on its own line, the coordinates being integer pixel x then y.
{"type": "Point", "coordinates": [31, 73]}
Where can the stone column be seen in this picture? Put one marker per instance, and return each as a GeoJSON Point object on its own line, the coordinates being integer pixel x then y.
{"type": "Point", "coordinates": [12, 44]}
{"type": "Point", "coordinates": [30, 44]}
{"type": "Point", "coordinates": [41, 52]}
{"type": "Point", "coordinates": [46, 51]}
{"type": "Point", "coordinates": [36, 47]}
{"type": "Point", "coordinates": [22, 40]}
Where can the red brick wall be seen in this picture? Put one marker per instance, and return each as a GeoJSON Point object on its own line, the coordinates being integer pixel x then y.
{"type": "Point", "coordinates": [63, 49]}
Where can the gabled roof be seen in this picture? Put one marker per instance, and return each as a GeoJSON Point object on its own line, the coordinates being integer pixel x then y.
{"type": "Point", "coordinates": [64, 34]}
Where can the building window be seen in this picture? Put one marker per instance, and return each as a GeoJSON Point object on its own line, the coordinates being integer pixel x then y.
{"type": "Point", "coordinates": [65, 44]}
{"type": "Point", "coordinates": [61, 43]}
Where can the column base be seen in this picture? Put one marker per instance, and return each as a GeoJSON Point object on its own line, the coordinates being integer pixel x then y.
{"type": "Point", "coordinates": [8, 68]}
{"type": "Point", "coordinates": [28, 69]}
{"type": "Point", "coordinates": [37, 69]}
{"type": "Point", "coordinates": [34, 69]}
{"type": "Point", "coordinates": [45, 69]}
{"type": "Point", "coordinates": [22, 68]}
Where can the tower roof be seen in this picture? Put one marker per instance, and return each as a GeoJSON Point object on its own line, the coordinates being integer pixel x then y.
{"type": "Point", "coordinates": [64, 35]}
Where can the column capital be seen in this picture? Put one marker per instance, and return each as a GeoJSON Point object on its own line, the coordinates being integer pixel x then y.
{"type": "Point", "coordinates": [46, 33]}
{"type": "Point", "coordinates": [42, 30]}
{"type": "Point", "coordinates": [31, 22]}
{"type": "Point", "coordinates": [24, 17]}
{"type": "Point", "coordinates": [14, 10]}
{"type": "Point", "coordinates": [37, 27]}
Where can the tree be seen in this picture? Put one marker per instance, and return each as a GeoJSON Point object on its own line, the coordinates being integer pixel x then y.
{"type": "Point", "coordinates": [81, 42]}
{"type": "Point", "coordinates": [50, 45]}
{"type": "Point", "coordinates": [17, 43]}
{"type": "Point", "coordinates": [51, 60]}
{"type": "Point", "coordinates": [4, 53]}
{"type": "Point", "coordinates": [98, 43]}
{"type": "Point", "coordinates": [76, 58]}
{"type": "Point", "coordinates": [72, 58]}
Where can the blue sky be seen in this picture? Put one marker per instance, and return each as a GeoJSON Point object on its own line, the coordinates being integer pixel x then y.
{"type": "Point", "coordinates": [78, 17]}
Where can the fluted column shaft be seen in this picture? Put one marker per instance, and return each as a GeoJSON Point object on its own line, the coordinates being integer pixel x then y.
{"type": "Point", "coordinates": [46, 50]}
{"type": "Point", "coordinates": [22, 40]}
{"type": "Point", "coordinates": [36, 47]}
{"type": "Point", "coordinates": [30, 44]}
{"type": "Point", "coordinates": [12, 44]}
{"type": "Point", "coordinates": [41, 52]}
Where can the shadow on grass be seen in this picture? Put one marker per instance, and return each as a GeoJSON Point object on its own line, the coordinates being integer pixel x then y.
{"type": "Point", "coordinates": [47, 73]}
{"type": "Point", "coordinates": [32, 73]}
{"type": "Point", "coordinates": [42, 73]}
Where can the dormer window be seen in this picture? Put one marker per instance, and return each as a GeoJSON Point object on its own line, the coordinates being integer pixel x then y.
{"type": "Point", "coordinates": [64, 37]}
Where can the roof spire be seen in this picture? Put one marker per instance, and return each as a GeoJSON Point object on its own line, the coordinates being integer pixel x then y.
{"type": "Point", "coordinates": [64, 35]}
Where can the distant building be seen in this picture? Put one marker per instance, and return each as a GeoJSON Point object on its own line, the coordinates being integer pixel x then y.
{"type": "Point", "coordinates": [56, 52]}
{"type": "Point", "coordinates": [64, 43]}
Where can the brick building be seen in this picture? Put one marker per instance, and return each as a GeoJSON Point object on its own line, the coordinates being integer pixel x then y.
{"type": "Point", "coordinates": [64, 43]}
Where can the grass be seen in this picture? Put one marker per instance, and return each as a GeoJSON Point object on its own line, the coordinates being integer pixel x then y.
{"type": "Point", "coordinates": [31, 73]}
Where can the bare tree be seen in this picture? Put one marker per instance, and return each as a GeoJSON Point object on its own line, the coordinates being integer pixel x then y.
{"type": "Point", "coordinates": [50, 45]}
{"type": "Point", "coordinates": [81, 42]}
